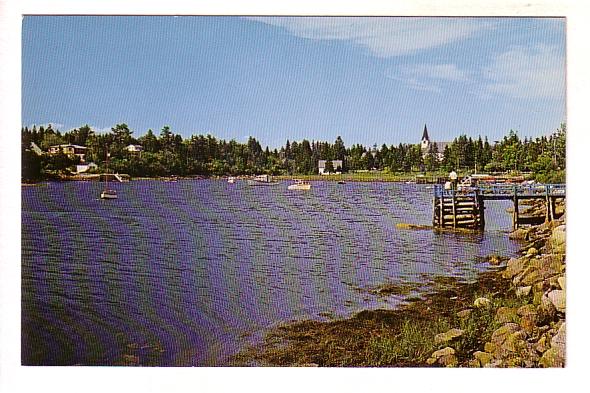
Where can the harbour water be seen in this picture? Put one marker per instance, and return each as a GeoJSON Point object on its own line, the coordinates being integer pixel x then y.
{"type": "Point", "coordinates": [186, 273]}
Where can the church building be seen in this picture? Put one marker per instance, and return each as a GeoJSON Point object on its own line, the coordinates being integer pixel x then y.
{"type": "Point", "coordinates": [425, 145]}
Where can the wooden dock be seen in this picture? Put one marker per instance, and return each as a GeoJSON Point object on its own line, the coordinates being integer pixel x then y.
{"type": "Point", "coordinates": [465, 208]}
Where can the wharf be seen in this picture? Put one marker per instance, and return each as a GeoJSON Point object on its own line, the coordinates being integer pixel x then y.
{"type": "Point", "coordinates": [465, 208]}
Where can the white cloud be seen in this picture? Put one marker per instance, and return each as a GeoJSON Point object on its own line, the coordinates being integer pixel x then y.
{"type": "Point", "coordinates": [448, 72]}
{"type": "Point", "coordinates": [415, 84]}
{"type": "Point", "coordinates": [383, 36]}
{"type": "Point", "coordinates": [428, 77]}
{"type": "Point", "coordinates": [527, 72]}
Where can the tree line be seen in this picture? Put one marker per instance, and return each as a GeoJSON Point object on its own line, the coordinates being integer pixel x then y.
{"type": "Point", "coordinates": [168, 153]}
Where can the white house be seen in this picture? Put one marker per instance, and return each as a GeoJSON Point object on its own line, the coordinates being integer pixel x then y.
{"type": "Point", "coordinates": [134, 148]}
{"type": "Point", "coordinates": [71, 150]}
{"type": "Point", "coordinates": [336, 164]}
{"type": "Point", "coordinates": [85, 167]}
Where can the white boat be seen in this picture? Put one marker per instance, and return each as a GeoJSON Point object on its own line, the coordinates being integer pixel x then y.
{"type": "Point", "coordinates": [231, 180]}
{"type": "Point", "coordinates": [262, 180]}
{"type": "Point", "coordinates": [300, 185]}
{"type": "Point", "coordinates": [108, 194]}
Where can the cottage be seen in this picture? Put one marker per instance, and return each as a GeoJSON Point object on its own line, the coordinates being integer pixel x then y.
{"type": "Point", "coordinates": [134, 148]}
{"type": "Point", "coordinates": [86, 167]}
{"type": "Point", "coordinates": [70, 150]}
{"type": "Point", "coordinates": [336, 165]}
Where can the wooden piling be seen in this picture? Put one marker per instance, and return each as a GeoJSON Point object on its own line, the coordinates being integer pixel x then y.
{"type": "Point", "coordinates": [547, 205]}
{"type": "Point", "coordinates": [454, 209]}
{"type": "Point", "coordinates": [467, 210]}
{"type": "Point", "coordinates": [515, 215]}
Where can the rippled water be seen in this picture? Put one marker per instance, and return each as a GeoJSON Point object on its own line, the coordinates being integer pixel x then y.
{"type": "Point", "coordinates": [186, 273]}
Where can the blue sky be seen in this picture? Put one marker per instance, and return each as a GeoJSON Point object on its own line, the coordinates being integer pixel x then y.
{"type": "Point", "coordinates": [370, 80]}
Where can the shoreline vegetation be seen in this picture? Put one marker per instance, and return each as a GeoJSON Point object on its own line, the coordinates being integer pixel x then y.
{"type": "Point", "coordinates": [48, 154]}
{"type": "Point", "coordinates": [347, 177]}
{"type": "Point", "coordinates": [513, 315]}
{"type": "Point", "coordinates": [369, 176]}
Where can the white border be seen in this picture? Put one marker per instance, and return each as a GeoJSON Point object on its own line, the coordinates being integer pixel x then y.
{"type": "Point", "coordinates": [15, 378]}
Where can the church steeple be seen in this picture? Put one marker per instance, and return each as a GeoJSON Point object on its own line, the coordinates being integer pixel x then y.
{"type": "Point", "coordinates": [425, 142]}
{"type": "Point", "coordinates": [425, 134]}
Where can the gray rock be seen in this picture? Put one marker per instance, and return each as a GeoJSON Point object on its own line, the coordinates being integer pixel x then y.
{"type": "Point", "coordinates": [558, 341]}
{"type": "Point", "coordinates": [523, 291]}
{"type": "Point", "coordinates": [445, 357]}
{"type": "Point", "coordinates": [557, 240]}
{"type": "Point", "coordinates": [519, 234]}
{"type": "Point", "coordinates": [514, 267]}
{"type": "Point", "coordinates": [500, 335]}
{"type": "Point", "coordinates": [546, 308]}
{"type": "Point", "coordinates": [552, 358]}
{"type": "Point", "coordinates": [484, 358]}
{"type": "Point", "coordinates": [443, 352]}
{"type": "Point", "coordinates": [557, 298]}
{"type": "Point", "coordinates": [448, 336]}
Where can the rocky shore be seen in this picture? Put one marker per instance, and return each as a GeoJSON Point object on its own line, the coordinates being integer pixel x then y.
{"type": "Point", "coordinates": [512, 316]}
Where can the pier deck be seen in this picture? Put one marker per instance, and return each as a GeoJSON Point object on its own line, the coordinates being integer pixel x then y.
{"type": "Point", "coordinates": [465, 208]}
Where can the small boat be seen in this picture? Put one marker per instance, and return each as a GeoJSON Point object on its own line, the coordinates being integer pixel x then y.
{"type": "Point", "coordinates": [231, 180]}
{"type": "Point", "coordinates": [341, 182]}
{"type": "Point", "coordinates": [108, 194]}
{"type": "Point", "coordinates": [300, 185]}
{"type": "Point", "coordinates": [262, 180]}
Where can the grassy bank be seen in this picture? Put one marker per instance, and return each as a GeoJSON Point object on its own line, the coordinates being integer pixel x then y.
{"type": "Point", "coordinates": [402, 337]}
{"type": "Point", "coordinates": [373, 176]}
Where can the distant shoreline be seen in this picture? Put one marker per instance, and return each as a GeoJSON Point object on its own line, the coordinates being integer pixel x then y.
{"type": "Point", "coordinates": [352, 177]}
{"type": "Point", "coordinates": [384, 177]}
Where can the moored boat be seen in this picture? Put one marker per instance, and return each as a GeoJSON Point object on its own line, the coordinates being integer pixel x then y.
{"type": "Point", "coordinates": [300, 185]}
{"type": "Point", "coordinates": [108, 194]}
{"type": "Point", "coordinates": [231, 180]}
{"type": "Point", "coordinates": [262, 180]}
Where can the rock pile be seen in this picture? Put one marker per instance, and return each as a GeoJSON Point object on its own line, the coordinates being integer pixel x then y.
{"type": "Point", "coordinates": [529, 321]}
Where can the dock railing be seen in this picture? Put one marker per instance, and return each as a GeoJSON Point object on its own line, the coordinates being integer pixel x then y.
{"type": "Point", "coordinates": [503, 190]}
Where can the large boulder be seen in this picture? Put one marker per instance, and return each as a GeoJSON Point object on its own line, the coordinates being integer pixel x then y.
{"type": "Point", "coordinates": [444, 357]}
{"type": "Point", "coordinates": [523, 291]}
{"type": "Point", "coordinates": [448, 336]}
{"type": "Point", "coordinates": [552, 358]}
{"type": "Point", "coordinates": [557, 298]}
{"type": "Point", "coordinates": [557, 240]}
{"type": "Point", "coordinates": [558, 341]}
{"type": "Point", "coordinates": [483, 358]}
{"type": "Point", "coordinates": [514, 267]}
{"type": "Point", "coordinates": [519, 234]}
{"type": "Point", "coordinates": [500, 335]}
{"type": "Point", "coordinates": [546, 310]}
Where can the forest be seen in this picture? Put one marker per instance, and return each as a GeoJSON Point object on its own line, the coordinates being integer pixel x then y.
{"type": "Point", "coordinates": [168, 153]}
